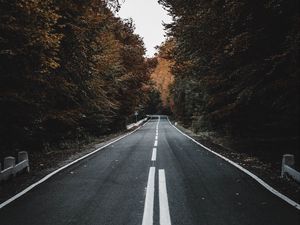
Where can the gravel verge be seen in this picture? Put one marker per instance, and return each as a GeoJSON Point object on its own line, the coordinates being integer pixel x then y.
{"type": "Point", "coordinates": [47, 161]}
{"type": "Point", "coordinates": [266, 170]}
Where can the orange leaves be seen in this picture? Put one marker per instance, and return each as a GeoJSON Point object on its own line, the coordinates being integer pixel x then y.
{"type": "Point", "coordinates": [163, 79]}
{"type": "Point", "coordinates": [31, 33]}
{"type": "Point", "coordinates": [78, 68]}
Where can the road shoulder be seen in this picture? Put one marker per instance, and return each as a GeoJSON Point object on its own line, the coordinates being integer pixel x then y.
{"type": "Point", "coordinates": [48, 161]}
{"type": "Point", "coordinates": [268, 172]}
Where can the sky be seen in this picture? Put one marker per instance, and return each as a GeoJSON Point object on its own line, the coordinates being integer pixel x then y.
{"type": "Point", "coordinates": [148, 17]}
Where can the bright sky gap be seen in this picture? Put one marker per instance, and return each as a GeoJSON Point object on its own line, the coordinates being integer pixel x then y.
{"type": "Point", "coordinates": [148, 17]}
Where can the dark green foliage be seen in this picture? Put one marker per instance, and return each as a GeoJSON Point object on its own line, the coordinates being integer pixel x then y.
{"type": "Point", "coordinates": [154, 105]}
{"type": "Point", "coordinates": [236, 66]}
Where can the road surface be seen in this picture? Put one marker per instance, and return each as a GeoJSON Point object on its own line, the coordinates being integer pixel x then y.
{"type": "Point", "coordinates": [153, 176]}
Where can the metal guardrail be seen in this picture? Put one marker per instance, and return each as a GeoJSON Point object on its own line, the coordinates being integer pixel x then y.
{"type": "Point", "coordinates": [288, 162]}
{"type": "Point", "coordinates": [136, 124]}
{"type": "Point", "coordinates": [11, 169]}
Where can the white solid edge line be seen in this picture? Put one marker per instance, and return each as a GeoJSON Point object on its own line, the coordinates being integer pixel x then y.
{"type": "Point", "coordinates": [61, 168]}
{"type": "Point", "coordinates": [155, 144]}
{"type": "Point", "coordinates": [153, 158]}
{"type": "Point", "coordinates": [259, 180]}
{"type": "Point", "coordinates": [149, 200]}
{"type": "Point", "coordinates": [164, 211]}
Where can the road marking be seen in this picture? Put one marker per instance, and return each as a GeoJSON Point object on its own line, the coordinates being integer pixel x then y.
{"type": "Point", "coordinates": [153, 158]}
{"type": "Point", "coordinates": [256, 178]}
{"type": "Point", "coordinates": [164, 211]}
{"type": "Point", "coordinates": [149, 200]}
{"type": "Point", "coordinates": [157, 123]}
{"type": "Point", "coordinates": [3, 204]}
{"type": "Point", "coordinates": [155, 143]}
{"type": "Point", "coordinates": [156, 137]}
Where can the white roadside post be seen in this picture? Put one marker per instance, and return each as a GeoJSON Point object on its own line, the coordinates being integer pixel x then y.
{"type": "Point", "coordinates": [287, 160]}
{"type": "Point", "coordinates": [9, 162]}
{"type": "Point", "coordinates": [8, 170]}
{"type": "Point", "coordinates": [23, 156]}
{"type": "Point", "coordinates": [136, 114]}
{"type": "Point", "coordinates": [12, 168]}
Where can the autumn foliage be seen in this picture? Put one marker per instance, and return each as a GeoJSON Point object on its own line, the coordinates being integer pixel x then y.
{"type": "Point", "coordinates": [68, 69]}
{"type": "Point", "coordinates": [162, 76]}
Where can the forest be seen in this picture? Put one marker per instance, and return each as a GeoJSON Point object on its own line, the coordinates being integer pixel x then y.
{"type": "Point", "coordinates": [68, 70]}
{"type": "Point", "coordinates": [73, 69]}
{"type": "Point", "coordinates": [236, 70]}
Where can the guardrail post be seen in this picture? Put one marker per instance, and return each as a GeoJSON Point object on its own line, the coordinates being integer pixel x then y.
{"type": "Point", "coordinates": [23, 156]}
{"type": "Point", "coordinates": [9, 162]}
{"type": "Point", "coordinates": [288, 160]}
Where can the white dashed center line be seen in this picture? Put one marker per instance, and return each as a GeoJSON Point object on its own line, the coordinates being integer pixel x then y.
{"type": "Point", "coordinates": [153, 158]}
{"type": "Point", "coordinates": [164, 211]}
{"type": "Point", "coordinates": [149, 201]}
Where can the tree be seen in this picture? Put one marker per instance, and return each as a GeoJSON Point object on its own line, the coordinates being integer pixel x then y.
{"type": "Point", "coordinates": [69, 69]}
{"type": "Point", "coordinates": [235, 66]}
{"type": "Point", "coordinates": [29, 46]}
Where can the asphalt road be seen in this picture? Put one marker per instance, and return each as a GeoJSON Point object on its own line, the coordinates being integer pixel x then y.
{"type": "Point", "coordinates": [153, 176]}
